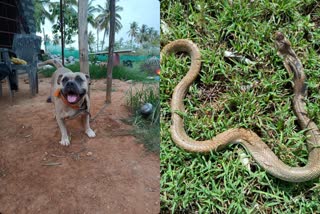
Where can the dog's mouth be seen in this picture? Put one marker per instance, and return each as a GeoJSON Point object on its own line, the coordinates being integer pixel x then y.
{"type": "Point", "coordinates": [72, 97]}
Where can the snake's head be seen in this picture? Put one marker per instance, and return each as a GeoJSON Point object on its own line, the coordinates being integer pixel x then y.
{"type": "Point", "coordinates": [279, 36]}
{"type": "Point", "coordinates": [283, 45]}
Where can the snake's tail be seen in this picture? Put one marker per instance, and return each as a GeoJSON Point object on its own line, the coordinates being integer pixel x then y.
{"type": "Point", "coordinates": [266, 158]}
{"type": "Point", "coordinates": [260, 152]}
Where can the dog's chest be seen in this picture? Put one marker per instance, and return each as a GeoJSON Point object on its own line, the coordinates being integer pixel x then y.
{"type": "Point", "coordinates": [64, 111]}
{"type": "Point", "coordinates": [69, 113]}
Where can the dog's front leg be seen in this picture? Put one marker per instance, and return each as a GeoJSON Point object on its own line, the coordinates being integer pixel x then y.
{"type": "Point", "coordinates": [64, 134]}
{"type": "Point", "coordinates": [88, 130]}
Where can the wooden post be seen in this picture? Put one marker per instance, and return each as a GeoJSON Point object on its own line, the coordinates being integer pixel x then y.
{"type": "Point", "coordinates": [44, 40]}
{"type": "Point", "coordinates": [83, 36]}
{"type": "Point", "coordinates": [111, 44]}
{"type": "Point", "coordinates": [61, 31]}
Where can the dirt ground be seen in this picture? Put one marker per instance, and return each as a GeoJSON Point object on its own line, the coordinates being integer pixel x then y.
{"type": "Point", "coordinates": [106, 174]}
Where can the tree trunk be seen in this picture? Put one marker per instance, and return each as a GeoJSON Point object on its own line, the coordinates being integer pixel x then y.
{"type": "Point", "coordinates": [111, 44]}
{"type": "Point", "coordinates": [44, 40]}
{"type": "Point", "coordinates": [97, 39]}
{"type": "Point", "coordinates": [83, 35]}
{"type": "Point", "coordinates": [104, 36]}
{"type": "Point", "coordinates": [61, 30]}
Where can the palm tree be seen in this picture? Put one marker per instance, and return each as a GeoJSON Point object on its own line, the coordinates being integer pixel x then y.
{"type": "Point", "coordinates": [155, 38]}
{"type": "Point", "coordinates": [101, 44]}
{"type": "Point", "coordinates": [143, 34]}
{"type": "Point", "coordinates": [133, 32]}
{"type": "Point", "coordinates": [91, 40]}
{"type": "Point", "coordinates": [152, 34]}
{"type": "Point", "coordinates": [113, 23]}
{"type": "Point", "coordinates": [92, 9]}
{"type": "Point", "coordinates": [150, 31]}
{"type": "Point", "coordinates": [119, 44]}
{"type": "Point", "coordinates": [103, 19]}
{"type": "Point", "coordinates": [97, 26]}
{"type": "Point", "coordinates": [91, 20]}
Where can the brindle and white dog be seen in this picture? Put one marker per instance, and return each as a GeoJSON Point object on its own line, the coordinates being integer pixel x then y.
{"type": "Point", "coordinates": [69, 94]}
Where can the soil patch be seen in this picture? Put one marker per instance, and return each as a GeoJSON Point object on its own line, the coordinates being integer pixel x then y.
{"type": "Point", "coordinates": [106, 174]}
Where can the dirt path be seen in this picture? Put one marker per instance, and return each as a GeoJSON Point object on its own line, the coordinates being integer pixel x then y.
{"type": "Point", "coordinates": [107, 174]}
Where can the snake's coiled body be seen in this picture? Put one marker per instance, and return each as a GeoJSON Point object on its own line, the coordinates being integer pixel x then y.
{"type": "Point", "coordinates": [250, 140]}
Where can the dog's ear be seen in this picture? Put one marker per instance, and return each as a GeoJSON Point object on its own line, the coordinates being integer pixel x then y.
{"type": "Point", "coordinates": [88, 79]}
{"type": "Point", "coordinates": [59, 79]}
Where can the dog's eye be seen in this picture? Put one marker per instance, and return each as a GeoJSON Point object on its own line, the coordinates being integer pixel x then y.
{"type": "Point", "coordinates": [65, 79]}
{"type": "Point", "coordinates": [79, 79]}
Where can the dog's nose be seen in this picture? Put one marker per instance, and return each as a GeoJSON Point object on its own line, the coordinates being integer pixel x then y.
{"type": "Point", "coordinates": [70, 84]}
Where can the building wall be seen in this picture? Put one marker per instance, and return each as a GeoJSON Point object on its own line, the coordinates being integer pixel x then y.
{"type": "Point", "coordinates": [26, 16]}
{"type": "Point", "coordinates": [16, 16]}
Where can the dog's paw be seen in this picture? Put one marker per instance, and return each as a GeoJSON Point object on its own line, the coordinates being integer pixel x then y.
{"type": "Point", "coordinates": [65, 142]}
{"type": "Point", "coordinates": [90, 133]}
{"type": "Point", "coordinates": [49, 100]}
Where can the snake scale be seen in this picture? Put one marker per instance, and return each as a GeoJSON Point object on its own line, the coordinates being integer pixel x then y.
{"type": "Point", "coordinates": [262, 154]}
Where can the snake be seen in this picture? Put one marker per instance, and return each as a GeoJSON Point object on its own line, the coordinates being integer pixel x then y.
{"type": "Point", "coordinates": [253, 144]}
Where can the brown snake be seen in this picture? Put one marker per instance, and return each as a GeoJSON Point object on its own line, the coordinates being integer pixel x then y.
{"type": "Point", "coordinates": [250, 140]}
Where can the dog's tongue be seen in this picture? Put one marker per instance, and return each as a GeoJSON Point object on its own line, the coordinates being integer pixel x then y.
{"type": "Point", "coordinates": [72, 98]}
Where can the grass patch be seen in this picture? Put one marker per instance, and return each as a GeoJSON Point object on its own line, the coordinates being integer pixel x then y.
{"type": "Point", "coordinates": [147, 127]}
{"type": "Point", "coordinates": [97, 72]}
{"type": "Point", "coordinates": [256, 97]}
{"type": "Point", "coordinates": [123, 73]}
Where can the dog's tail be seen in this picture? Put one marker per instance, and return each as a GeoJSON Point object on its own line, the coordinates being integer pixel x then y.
{"type": "Point", "coordinates": [53, 62]}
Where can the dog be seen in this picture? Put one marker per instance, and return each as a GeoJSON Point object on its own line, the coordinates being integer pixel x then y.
{"type": "Point", "coordinates": [69, 94]}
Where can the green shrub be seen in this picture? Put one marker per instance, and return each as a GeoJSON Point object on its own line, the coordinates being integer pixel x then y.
{"type": "Point", "coordinates": [147, 128]}
{"type": "Point", "coordinates": [97, 72]}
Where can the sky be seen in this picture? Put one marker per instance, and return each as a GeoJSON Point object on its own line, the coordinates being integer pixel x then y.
{"type": "Point", "coordinates": [142, 11]}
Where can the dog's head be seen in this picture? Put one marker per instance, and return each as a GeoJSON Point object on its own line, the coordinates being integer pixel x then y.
{"type": "Point", "coordinates": [74, 86]}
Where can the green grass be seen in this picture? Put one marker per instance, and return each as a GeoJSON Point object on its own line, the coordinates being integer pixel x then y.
{"type": "Point", "coordinates": [97, 72]}
{"type": "Point", "coordinates": [218, 182]}
{"type": "Point", "coordinates": [147, 128]}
